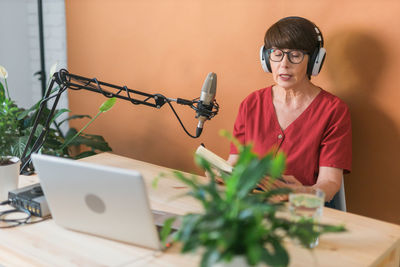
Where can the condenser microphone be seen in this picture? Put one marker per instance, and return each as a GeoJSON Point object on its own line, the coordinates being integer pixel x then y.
{"type": "Point", "coordinates": [206, 102]}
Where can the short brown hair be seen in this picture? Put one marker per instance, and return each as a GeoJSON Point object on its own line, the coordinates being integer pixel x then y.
{"type": "Point", "coordinates": [293, 33]}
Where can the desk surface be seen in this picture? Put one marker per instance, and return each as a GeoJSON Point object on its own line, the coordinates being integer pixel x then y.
{"type": "Point", "coordinates": [368, 242]}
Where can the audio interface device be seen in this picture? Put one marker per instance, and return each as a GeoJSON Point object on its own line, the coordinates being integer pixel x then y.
{"type": "Point", "coordinates": [30, 198]}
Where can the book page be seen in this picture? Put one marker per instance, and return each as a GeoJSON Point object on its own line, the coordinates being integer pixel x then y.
{"type": "Point", "coordinates": [215, 160]}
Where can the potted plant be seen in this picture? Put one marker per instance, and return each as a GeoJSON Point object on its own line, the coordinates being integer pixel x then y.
{"type": "Point", "coordinates": [16, 124]}
{"type": "Point", "coordinates": [238, 226]}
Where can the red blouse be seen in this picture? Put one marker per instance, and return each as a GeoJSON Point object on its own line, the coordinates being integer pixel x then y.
{"type": "Point", "coordinates": [320, 136]}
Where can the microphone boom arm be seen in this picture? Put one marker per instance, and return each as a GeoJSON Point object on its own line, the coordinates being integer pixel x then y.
{"type": "Point", "coordinates": [67, 80]}
{"type": "Point", "coordinates": [76, 82]}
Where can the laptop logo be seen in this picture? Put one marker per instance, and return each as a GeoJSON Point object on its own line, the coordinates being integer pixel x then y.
{"type": "Point", "coordinates": [95, 203]}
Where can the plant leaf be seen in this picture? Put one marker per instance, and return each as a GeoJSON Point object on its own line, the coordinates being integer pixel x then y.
{"type": "Point", "coordinates": [256, 170]}
{"type": "Point", "coordinates": [85, 154]}
{"type": "Point", "coordinates": [19, 145]}
{"type": "Point", "coordinates": [53, 69]}
{"type": "Point", "coordinates": [254, 252]}
{"type": "Point", "coordinates": [210, 257]}
{"type": "Point", "coordinates": [185, 180]}
{"type": "Point", "coordinates": [108, 104]}
{"type": "Point", "coordinates": [2, 92]}
{"type": "Point", "coordinates": [166, 229]}
{"type": "Point", "coordinates": [27, 111]}
{"type": "Point", "coordinates": [212, 187]}
{"type": "Point", "coordinates": [70, 133]}
{"type": "Point", "coordinates": [59, 112]}
{"type": "Point", "coordinates": [75, 117]}
{"type": "Point", "coordinates": [231, 138]}
{"type": "Point", "coordinates": [93, 141]}
{"type": "Point", "coordinates": [277, 255]}
{"type": "Point", "coordinates": [278, 165]}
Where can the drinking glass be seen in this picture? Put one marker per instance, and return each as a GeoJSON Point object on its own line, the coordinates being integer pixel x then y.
{"type": "Point", "coordinates": [307, 203]}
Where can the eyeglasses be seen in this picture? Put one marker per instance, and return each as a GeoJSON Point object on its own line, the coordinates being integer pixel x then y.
{"type": "Point", "coordinates": [294, 56]}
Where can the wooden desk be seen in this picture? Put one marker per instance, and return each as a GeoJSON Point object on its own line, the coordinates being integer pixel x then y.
{"type": "Point", "coordinates": [368, 242]}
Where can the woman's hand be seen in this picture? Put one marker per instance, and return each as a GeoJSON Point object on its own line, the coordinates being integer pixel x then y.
{"type": "Point", "coordinates": [286, 181]}
{"type": "Point", "coordinates": [290, 182]}
{"type": "Point", "coordinates": [217, 176]}
{"type": "Point", "coordinates": [233, 158]}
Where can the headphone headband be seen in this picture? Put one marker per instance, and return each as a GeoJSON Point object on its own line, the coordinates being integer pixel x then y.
{"type": "Point", "coordinates": [320, 38]}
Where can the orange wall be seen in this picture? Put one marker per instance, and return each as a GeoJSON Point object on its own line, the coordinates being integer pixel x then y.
{"type": "Point", "coordinates": [169, 46]}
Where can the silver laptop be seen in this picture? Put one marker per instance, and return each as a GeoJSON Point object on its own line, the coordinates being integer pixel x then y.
{"type": "Point", "coordinates": [105, 201]}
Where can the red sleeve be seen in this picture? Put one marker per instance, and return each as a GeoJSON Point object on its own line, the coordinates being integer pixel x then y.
{"type": "Point", "coordinates": [239, 128]}
{"type": "Point", "coordinates": [336, 148]}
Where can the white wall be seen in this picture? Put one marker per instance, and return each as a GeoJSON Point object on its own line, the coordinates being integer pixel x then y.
{"type": "Point", "coordinates": [54, 38]}
{"type": "Point", "coordinates": [20, 50]}
{"type": "Point", "coordinates": [14, 50]}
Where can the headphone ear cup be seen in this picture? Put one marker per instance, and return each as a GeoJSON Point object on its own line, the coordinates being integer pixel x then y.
{"type": "Point", "coordinates": [316, 61]}
{"type": "Point", "coordinates": [264, 59]}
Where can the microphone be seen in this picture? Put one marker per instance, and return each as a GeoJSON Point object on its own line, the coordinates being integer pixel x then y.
{"type": "Point", "coordinates": [206, 102]}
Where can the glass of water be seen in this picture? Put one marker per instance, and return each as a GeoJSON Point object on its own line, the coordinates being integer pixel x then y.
{"type": "Point", "coordinates": [307, 203]}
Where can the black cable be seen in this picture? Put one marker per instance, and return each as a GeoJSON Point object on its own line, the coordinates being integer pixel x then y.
{"type": "Point", "coordinates": [22, 220]}
{"type": "Point", "coordinates": [38, 221]}
{"type": "Point", "coordinates": [16, 222]}
{"type": "Point", "coordinates": [176, 115]}
{"type": "Point", "coordinates": [5, 202]}
{"type": "Point", "coordinates": [209, 113]}
{"type": "Point", "coordinates": [10, 226]}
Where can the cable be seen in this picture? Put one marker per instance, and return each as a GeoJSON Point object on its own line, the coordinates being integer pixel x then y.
{"type": "Point", "coordinates": [16, 222]}
{"type": "Point", "coordinates": [38, 221]}
{"type": "Point", "coordinates": [176, 115]}
{"type": "Point", "coordinates": [5, 202]}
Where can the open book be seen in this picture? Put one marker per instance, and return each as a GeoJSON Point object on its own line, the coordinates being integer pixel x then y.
{"type": "Point", "coordinates": [215, 160]}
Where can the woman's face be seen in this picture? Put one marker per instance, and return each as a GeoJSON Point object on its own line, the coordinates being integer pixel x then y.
{"type": "Point", "coordinates": [287, 74]}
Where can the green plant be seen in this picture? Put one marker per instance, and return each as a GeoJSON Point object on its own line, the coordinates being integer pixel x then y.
{"type": "Point", "coordinates": [16, 124]}
{"type": "Point", "coordinates": [236, 221]}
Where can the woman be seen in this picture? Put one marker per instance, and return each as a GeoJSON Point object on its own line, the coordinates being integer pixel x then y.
{"type": "Point", "coordinates": [295, 116]}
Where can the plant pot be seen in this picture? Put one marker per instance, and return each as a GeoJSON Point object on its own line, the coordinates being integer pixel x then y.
{"type": "Point", "coordinates": [9, 173]}
{"type": "Point", "coordinates": [237, 261]}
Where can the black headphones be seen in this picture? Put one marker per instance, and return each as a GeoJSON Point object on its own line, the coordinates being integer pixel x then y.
{"type": "Point", "coordinates": [315, 61]}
